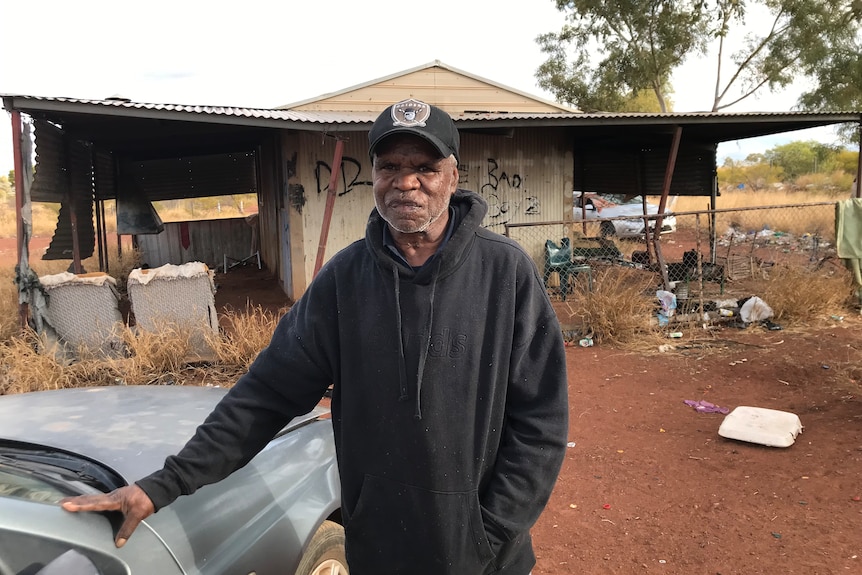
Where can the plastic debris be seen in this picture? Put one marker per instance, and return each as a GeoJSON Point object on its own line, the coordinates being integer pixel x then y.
{"type": "Point", "coordinates": [755, 309]}
{"type": "Point", "coordinates": [706, 407]}
{"type": "Point", "coordinates": [668, 302]}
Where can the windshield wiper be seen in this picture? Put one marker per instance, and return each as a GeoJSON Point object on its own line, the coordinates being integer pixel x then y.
{"type": "Point", "coordinates": [78, 468]}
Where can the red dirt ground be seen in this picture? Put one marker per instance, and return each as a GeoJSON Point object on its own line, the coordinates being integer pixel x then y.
{"type": "Point", "coordinates": [648, 485]}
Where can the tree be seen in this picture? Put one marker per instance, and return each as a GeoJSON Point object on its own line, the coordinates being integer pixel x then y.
{"type": "Point", "coordinates": [798, 158]}
{"type": "Point", "coordinates": [838, 78]}
{"type": "Point", "coordinates": [845, 161]}
{"type": "Point", "coordinates": [639, 44]}
{"type": "Point", "coordinates": [645, 101]}
{"type": "Point", "coordinates": [755, 173]}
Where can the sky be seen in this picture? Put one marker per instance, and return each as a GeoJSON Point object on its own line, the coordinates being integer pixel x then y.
{"type": "Point", "coordinates": [259, 53]}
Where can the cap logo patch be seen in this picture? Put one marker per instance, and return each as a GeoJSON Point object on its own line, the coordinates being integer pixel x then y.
{"type": "Point", "coordinates": [410, 113]}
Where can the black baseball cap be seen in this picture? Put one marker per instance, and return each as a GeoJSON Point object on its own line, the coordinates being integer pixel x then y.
{"type": "Point", "coordinates": [418, 118]}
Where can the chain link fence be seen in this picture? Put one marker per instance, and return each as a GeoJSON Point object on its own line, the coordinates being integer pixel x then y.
{"type": "Point", "coordinates": [712, 249]}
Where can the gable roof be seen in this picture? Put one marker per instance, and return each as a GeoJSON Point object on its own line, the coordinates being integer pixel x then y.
{"type": "Point", "coordinates": [455, 91]}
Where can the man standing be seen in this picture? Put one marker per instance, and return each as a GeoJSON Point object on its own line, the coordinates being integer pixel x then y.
{"type": "Point", "coordinates": [447, 363]}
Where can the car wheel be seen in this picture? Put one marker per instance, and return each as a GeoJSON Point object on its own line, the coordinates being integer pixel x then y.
{"type": "Point", "coordinates": [325, 554]}
{"type": "Point", "coordinates": [607, 230]}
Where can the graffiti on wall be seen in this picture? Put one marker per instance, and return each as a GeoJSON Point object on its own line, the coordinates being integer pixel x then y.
{"type": "Point", "coordinates": [350, 174]}
{"type": "Point", "coordinates": [507, 195]}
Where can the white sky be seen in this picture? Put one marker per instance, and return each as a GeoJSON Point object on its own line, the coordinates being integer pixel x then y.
{"type": "Point", "coordinates": [259, 53]}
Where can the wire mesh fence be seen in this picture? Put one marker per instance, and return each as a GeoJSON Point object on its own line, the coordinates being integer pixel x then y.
{"type": "Point", "coordinates": [713, 249]}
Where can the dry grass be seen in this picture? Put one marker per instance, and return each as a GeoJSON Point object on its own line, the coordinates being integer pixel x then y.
{"type": "Point", "coordinates": [798, 295]}
{"type": "Point", "coordinates": [242, 336]}
{"type": "Point", "coordinates": [811, 220]}
{"type": "Point", "coordinates": [44, 220]}
{"type": "Point", "coordinates": [151, 358]}
{"type": "Point", "coordinates": [619, 307]}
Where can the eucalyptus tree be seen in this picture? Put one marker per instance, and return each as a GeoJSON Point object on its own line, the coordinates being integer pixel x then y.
{"type": "Point", "coordinates": [609, 50]}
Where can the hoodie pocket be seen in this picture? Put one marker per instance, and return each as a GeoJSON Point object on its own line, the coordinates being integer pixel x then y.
{"type": "Point", "coordinates": [398, 528]}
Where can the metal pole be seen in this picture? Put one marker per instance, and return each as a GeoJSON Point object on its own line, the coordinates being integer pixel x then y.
{"type": "Point", "coordinates": [73, 207]}
{"type": "Point", "coordinates": [18, 163]}
{"type": "Point", "coordinates": [668, 177]}
{"type": "Point", "coordinates": [859, 166]}
{"type": "Point", "coordinates": [330, 205]}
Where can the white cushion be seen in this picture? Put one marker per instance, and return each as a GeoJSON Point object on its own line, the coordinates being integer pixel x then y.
{"type": "Point", "coordinates": [760, 425]}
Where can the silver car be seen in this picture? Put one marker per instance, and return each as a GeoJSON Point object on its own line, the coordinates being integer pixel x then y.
{"type": "Point", "coordinates": [280, 514]}
{"type": "Point", "coordinates": [617, 214]}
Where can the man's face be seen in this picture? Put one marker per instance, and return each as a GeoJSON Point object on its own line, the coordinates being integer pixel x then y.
{"type": "Point", "coordinates": [412, 184]}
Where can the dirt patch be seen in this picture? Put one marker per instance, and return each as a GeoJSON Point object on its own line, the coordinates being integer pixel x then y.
{"type": "Point", "coordinates": [650, 487]}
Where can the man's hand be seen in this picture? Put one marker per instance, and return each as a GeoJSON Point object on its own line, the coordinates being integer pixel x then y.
{"type": "Point", "coordinates": [131, 501]}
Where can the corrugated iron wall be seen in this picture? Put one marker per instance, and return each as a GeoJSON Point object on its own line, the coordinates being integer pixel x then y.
{"type": "Point", "coordinates": [195, 176]}
{"type": "Point", "coordinates": [104, 175]}
{"type": "Point", "coordinates": [353, 203]}
{"type": "Point", "coordinates": [616, 171]}
{"type": "Point", "coordinates": [524, 178]}
{"type": "Point", "coordinates": [268, 170]}
{"type": "Point", "coordinates": [206, 241]}
{"type": "Point", "coordinates": [64, 175]}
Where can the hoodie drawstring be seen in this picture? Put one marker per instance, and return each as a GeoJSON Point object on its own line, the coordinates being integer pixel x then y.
{"type": "Point", "coordinates": [402, 365]}
{"type": "Point", "coordinates": [423, 350]}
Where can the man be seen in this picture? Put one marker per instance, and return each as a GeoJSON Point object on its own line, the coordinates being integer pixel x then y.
{"type": "Point", "coordinates": [449, 396]}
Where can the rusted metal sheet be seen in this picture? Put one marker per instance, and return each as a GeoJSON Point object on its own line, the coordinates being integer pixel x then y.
{"type": "Point", "coordinates": [206, 241]}
{"type": "Point", "coordinates": [618, 171]}
{"type": "Point", "coordinates": [194, 176]}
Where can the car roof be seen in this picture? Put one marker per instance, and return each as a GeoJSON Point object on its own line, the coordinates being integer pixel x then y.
{"type": "Point", "coordinates": [131, 429]}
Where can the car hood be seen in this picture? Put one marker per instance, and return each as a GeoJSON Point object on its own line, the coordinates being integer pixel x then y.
{"type": "Point", "coordinates": [131, 429]}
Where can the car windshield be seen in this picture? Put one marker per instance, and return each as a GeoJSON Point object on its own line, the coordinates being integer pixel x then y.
{"type": "Point", "coordinates": [39, 474]}
{"type": "Point", "coordinates": [621, 199]}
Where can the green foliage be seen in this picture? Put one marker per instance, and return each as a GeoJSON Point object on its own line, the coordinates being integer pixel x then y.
{"type": "Point", "coordinates": [753, 173]}
{"type": "Point", "coordinates": [844, 160]}
{"type": "Point", "coordinates": [645, 102]}
{"type": "Point", "coordinates": [837, 72]}
{"type": "Point", "coordinates": [807, 164]}
{"type": "Point", "coordinates": [797, 158]}
{"type": "Point", "coordinates": [638, 43]}
{"type": "Point", "coordinates": [609, 51]}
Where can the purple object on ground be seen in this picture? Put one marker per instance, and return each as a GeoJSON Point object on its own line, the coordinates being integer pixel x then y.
{"type": "Point", "coordinates": [705, 406]}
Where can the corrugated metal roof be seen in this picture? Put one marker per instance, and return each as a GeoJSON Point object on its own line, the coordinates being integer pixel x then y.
{"type": "Point", "coordinates": [32, 103]}
{"type": "Point", "coordinates": [97, 121]}
{"type": "Point", "coordinates": [26, 102]}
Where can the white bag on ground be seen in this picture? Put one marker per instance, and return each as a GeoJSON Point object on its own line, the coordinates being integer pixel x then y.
{"type": "Point", "coordinates": [755, 309]}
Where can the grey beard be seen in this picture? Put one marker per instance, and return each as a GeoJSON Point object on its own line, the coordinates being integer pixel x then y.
{"type": "Point", "coordinates": [424, 227]}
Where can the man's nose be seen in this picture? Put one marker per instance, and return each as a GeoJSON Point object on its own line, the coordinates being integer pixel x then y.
{"type": "Point", "coordinates": [407, 179]}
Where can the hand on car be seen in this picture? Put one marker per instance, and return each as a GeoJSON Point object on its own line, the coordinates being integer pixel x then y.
{"type": "Point", "coordinates": [131, 501]}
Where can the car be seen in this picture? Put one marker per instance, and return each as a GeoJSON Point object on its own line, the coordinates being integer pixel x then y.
{"type": "Point", "coordinates": [281, 513]}
{"type": "Point", "coordinates": [600, 206]}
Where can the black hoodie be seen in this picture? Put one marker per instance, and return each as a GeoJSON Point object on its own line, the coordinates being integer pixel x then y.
{"type": "Point", "coordinates": [449, 401]}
